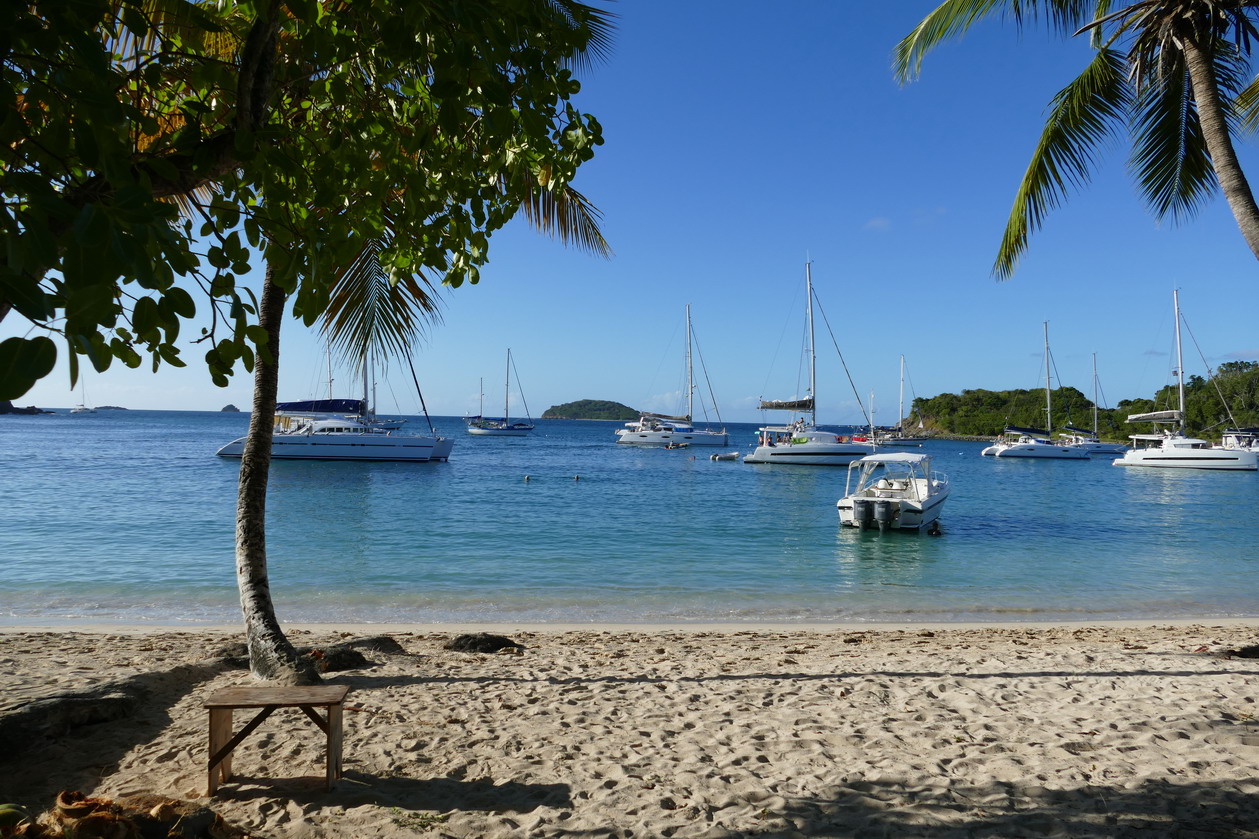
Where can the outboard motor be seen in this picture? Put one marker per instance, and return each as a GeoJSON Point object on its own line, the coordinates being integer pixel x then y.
{"type": "Point", "coordinates": [885, 512]}
{"type": "Point", "coordinates": [863, 512]}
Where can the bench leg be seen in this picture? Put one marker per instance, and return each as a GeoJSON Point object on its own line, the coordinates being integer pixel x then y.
{"type": "Point", "coordinates": [334, 744]}
{"type": "Point", "coordinates": [220, 734]}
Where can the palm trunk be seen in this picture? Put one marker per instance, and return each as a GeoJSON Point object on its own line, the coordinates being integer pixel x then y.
{"type": "Point", "coordinates": [1228, 171]}
{"type": "Point", "coordinates": [271, 655]}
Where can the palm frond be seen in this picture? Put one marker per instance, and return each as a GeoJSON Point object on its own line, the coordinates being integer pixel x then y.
{"type": "Point", "coordinates": [1246, 107]}
{"type": "Point", "coordinates": [1169, 156]}
{"type": "Point", "coordinates": [1080, 116]}
{"type": "Point", "coordinates": [569, 216]}
{"type": "Point", "coordinates": [952, 18]}
{"type": "Point", "coordinates": [367, 309]}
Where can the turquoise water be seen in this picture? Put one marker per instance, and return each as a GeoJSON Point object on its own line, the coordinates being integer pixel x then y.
{"type": "Point", "coordinates": [128, 516]}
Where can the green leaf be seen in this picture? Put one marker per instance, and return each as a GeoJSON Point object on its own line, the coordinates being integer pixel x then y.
{"type": "Point", "coordinates": [23, 362]}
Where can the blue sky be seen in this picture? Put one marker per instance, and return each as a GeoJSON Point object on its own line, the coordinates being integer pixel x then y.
{"type": "Point", "coordinates": [740, 142]}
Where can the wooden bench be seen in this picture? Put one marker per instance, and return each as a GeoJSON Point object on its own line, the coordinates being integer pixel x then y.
{"type": "Point", "coordinates": [267, 700]}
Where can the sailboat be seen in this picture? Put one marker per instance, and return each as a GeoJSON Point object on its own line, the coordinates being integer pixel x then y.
{"type": "Point", "coordinates": [82, 407]}
{"type": "Point", "coordinates": [1170, 448]}
{"type": "Point", "coordinates": [897, 435]}
{"type": "Point", "coordinates": [801, 441]}
{"type": "Point", "coordinates": [500, 426]}
{"type": "Point", "coordinates": [344, 429]}
{"type": "Point", "coordinates": [1033, 442]}
{"type": "Point", "coordinates": [1082, 438]}
{"type": "Point", "coordinates": [673, 432]}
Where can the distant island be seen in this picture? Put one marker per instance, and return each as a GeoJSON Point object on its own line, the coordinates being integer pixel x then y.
{"type": "Point", "coordinates": [229, 409]}
{"type": "Point", "coordinates": [6, 407]}
{"type": "Point", "coordinates": [591, 409]}
{"type": "Point", "coordinates": [110, 408]}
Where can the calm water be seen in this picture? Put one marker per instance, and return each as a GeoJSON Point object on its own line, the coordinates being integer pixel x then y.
{"type": "Point", "coordinates": [129, 516]}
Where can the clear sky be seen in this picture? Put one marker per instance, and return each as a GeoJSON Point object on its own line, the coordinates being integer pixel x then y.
{"type": "Point", "coordinates": [741, 141]}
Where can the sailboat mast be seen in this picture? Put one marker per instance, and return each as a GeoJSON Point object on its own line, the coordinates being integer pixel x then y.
{"type": "Point", "coordinates": [1049, 408]}
{"type": "Point", "coordinates": [1180, 361]}
{"type": "Point", "coordinates": [507, 390]}
{"type": "Point", "coordinates": [808, 285]}
{"type": "Point", "coordinates": [690, 380]}
{"type": "Point", "coordinates": [1094, 394]}
{"type": "Point", "coordinates": [367, 408]}
{"type": "Point", "coordinates": [900, 416]}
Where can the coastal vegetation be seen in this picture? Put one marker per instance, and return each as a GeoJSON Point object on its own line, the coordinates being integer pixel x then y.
{"type": "Point", "coordinates": [1175, 75]}
{"type": "Point", "coordinates": [591, 409]}
{"type": "Point", "coordinates": [1229, 398]}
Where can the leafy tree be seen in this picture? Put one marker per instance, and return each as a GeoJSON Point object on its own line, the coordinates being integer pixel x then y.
{"type": "Point", "coordinates": [332, 138]}
{"type": "Point", "coordinates": [1172, 73]}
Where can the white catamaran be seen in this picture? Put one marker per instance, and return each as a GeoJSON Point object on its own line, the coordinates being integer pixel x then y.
{"type": "Point", "coordinates": [1033, 442]}
{"type": "Point", "coordinates": [1170, 448]}
{"type": "Point", "coordinates": [674, 432]}
{"type": "Point", "coordinates": [801, 441]}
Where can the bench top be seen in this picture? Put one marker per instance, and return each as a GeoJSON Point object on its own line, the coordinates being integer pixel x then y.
{"type": "Point", "coordinates": [260, 697]}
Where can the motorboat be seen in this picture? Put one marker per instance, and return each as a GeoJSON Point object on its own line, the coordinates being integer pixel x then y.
{"type": "Point", "coordinates": [1034, 442]}
{"type": "Point", "coordinates": [893, 490]}
{"type": "Point", "coordinates": [800, 441]}
{"type": "Point", "coordinates": [1245, 439]}
{"type": "Point", "coordinates": [1170, 448]}
{"type": "Point", "coordinates": [673, 432]}
{"type": "Point", "coordinates": [503, 426]}
{"type": "Point", "coordinates": [1083, 438]}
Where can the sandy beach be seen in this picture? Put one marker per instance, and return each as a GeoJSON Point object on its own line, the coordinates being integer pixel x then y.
{"type": "Point", "coordinates": [1070, 730]}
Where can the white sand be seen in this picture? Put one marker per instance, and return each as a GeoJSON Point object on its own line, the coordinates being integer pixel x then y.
{"type": "Point", "coordinates": [1115, 730]}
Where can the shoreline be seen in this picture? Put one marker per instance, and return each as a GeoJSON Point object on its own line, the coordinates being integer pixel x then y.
{"type": "Point", "coordinates": [717, 627]}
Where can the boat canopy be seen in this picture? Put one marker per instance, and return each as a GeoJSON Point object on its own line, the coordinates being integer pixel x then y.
{"type": "Point", "coordinates": [666, 417]}
{"type": "Point", "coordinates": [1156, 416]}
{"type": "Point", "coordinates": [1075, 430]}
{"type": "Point", "coordinates": [893, 457]}
{"type": "Point", "coordinates": [323, 406]}
{"type": "Point", "coordinates": [789, 405]}
{"type": "Point", "coordinates": [1035, 432]}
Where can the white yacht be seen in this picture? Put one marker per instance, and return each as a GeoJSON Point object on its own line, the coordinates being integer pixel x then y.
{"type": "Point", "coordinates": [1033, 442]}
{"type": "Point", "coordinates": [895, 490]}
{"type": "Point", "coordinates": [897, 436]}
{"type": "Point", "coordinates": [83, 407]}
{"type": "Point", "coordinates": [801, 441]}
{"type": "Point", "coordinates": [1083, 438]}
{"type": "Point", "coordinates": [503, 426]}
{"type": "Point", "coordinates": [673, 432]}
{"type": "Point", "coordinates": [344, 429]}
{"type": "Point", "coordinates": [328, 437]}
{"type": "Point", "coordinates": [1170, 448]}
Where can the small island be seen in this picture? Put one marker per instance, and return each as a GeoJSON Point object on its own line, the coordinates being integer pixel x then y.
{"type": "Point", "coordinates": [591, 409]}
{"type": "Point", "coordinates": [229, 409]}
{"type": "Point", "coordinates": [7, 407]}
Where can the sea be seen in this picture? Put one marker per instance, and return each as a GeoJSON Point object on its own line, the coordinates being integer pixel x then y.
{"type": "Point", "coordinates": [127, 517]}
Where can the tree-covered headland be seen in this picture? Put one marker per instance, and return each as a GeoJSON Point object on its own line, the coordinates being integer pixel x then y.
{"type": "Point", "coordinates": [1230, 397]}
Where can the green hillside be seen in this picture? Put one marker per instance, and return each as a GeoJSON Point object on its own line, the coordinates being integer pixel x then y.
{"type": "Point", "coordinates": [984, 413]}
{"type": "Point", "coordinates": [591, 409]}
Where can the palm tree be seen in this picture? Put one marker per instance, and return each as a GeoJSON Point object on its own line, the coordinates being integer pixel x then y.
{"type": "Point", "coordinates": [1173, 73]}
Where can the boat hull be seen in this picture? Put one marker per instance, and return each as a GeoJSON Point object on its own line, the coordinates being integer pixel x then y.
{"type": "Point", "coordinates": [499, 432]}
{"type": "Point", "coordinates": [1036, 451]}
{"type": "Point", "coordinates": [809, 454]}
{"type": "Point", "coordinates": [912, 515]}
{"type": "Point", "coordinates": [1229, 460]}
{"type": "Point", "coordinates": [385, 447]}
{"type": "Point", "coordinates": [629, 437]}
